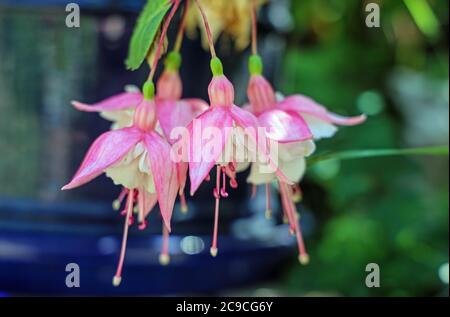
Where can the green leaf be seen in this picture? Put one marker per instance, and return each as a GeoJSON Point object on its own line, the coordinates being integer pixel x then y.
{"type": "Point", "coordinates": [145, 31]}
{"type": "Point", "coordinates": [358, 154]}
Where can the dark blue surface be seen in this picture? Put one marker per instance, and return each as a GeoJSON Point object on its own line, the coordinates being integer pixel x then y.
{"type": "Point", "coordinates": [38, 240]}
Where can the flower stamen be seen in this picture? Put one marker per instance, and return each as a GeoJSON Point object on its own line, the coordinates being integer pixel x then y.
{"type": "Point", "coordinates": [214, 249]}
{"type": "Point", "coordinates": [223, 191]}
{"type": "Point", "coordinates": [294, 221]}
{"type": "Point", "coordinates": [118, 276]}
{"type": "Point", "coordinates": [118, 202]}
{"type": "Point", "coordinates": [164, 257]}
{"type": "Point", "coordinates": [268, 202]}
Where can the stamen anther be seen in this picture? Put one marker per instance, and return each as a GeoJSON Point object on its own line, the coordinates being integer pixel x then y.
{"type": "Point", "coordinates": [303, 259]}
{"type": "Point", "coordinates": [164, 259]}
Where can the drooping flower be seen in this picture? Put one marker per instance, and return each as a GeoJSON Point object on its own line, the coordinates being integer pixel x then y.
{"type": "Point", "coordinates": [294, 137]}
{"type": "Point", "coordinates": [214, 137]}
{"type": "Point", "coordinates": [291, 113]}
{"type": "Point", "coordinates": [172, 111]}
{"type": "Point", "coordinates": [136, 158]}
{"type": "Point", "coordinates": [230, 17]}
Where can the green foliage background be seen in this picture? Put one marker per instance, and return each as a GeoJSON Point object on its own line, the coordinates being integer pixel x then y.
{"type": "Point", "coordinates": [390, 211]}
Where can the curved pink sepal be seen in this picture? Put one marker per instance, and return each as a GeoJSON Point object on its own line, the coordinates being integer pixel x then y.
{"type": "Point", "coordinates": [106, 150]}
{"type": "Point", "coordinates": [126, 100]}
{"type": "Point", "coordinates": [201, 162]}
{"type": "Point", "coordinates": [164, 174]}
{"type": "Point", "coordinates": [306, 105]}
{"type": "Point", "coordinates": [246, 120]}
{"type": "Point", "coordinates": [150, 201]}
{"type": "Point", "coordinates": [285, 127]}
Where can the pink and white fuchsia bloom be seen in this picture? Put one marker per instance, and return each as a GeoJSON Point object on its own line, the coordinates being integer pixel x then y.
{"type": "Point", "coordinates": [294, 137]}
{"type": "Point", "coordinates": [172, 111]}
{"type": "Point", "coordinates": [136, 158]}
{"type": "Point", "coordinates": [230, 122]}
{"type": "Point", "coordinates": [297, 113]}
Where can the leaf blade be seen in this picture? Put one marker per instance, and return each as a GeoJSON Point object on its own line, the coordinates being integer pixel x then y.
{"type": "Point", "coordinates": [358, 154]}
{"type": "Point", "coordinates": [145, 31]}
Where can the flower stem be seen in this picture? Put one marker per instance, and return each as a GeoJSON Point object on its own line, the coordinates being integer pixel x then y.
{"type": "Point", "coordinates": [207, 29]}
{"type": "Point", "coordinates": [180, 35]}
{"type": "Point", "coordinates": [254, 29]}
{"type": "Point", "coordinates": [176, 4]}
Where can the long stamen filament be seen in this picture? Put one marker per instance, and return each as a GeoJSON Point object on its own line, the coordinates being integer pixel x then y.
{"type": "Point", "coordinates": [254, 191]}
{"type": "Point", "coordinates": [164, 258]}
{"type": "Point", "coordinates": [141, 213]}
{"type": "Point", "coordinates": [268, 202]}
{"type": "Point", "coordinates": [214, 249]}
{"type": "Point", "coordinates": [223, 191]}
{"type": "Point", "coordinates": [116, 203]}
{"type": "Point", "coordinates": [207, 29]}
{"type": "Point", "coordinates": [184, 206]}
{"type": "Point", "coordinates": [286, 209]}
{"type": "Point", "coordinates": [292, 210]}
{"type": "Point", "coordinates": [118, 276]}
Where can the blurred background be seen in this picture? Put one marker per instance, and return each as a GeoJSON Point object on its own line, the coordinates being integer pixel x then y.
{"type": "Point", "coordinates": [389, 211]}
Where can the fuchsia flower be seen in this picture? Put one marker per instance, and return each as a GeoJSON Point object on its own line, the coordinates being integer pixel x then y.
{"type": "Point", "coordinates": [294, 137]}
{"type": "Point", "coordinates": [294, 116]}
{"type": "Point", "coordinates": [136, 158]}
{"type": "Point", "coordinates": [230, 121]}
{"type": "Point", "coordinates": [172, 111]}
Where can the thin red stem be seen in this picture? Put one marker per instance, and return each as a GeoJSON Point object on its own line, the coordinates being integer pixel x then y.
{"type": "Point", "coordinates": [162, 38]}
{"type": "Point", "coordinates": [180, 34]}
{"type": "Point", "coordinates": [207, 29]}
{"type": "Point", "coordinates": [254, 29]}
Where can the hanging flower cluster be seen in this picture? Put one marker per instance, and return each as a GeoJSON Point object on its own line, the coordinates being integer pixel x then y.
{"type": "Point", "coordinates": [157, 137]}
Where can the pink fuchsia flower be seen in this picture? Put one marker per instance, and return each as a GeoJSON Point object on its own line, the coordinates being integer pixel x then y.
{"type": "Point", "coordinates": [136, 158]}
{"type": "Point", "coordinates": [294, 137]}
{"type": "Point", "coordinates": [228, 121]}
{"type": "Point", "coordinates": [321, 122]}
{"type": "Point", "coordinates": [172, 111]}
{"type": "Point", "coordinates": [289, 128]}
